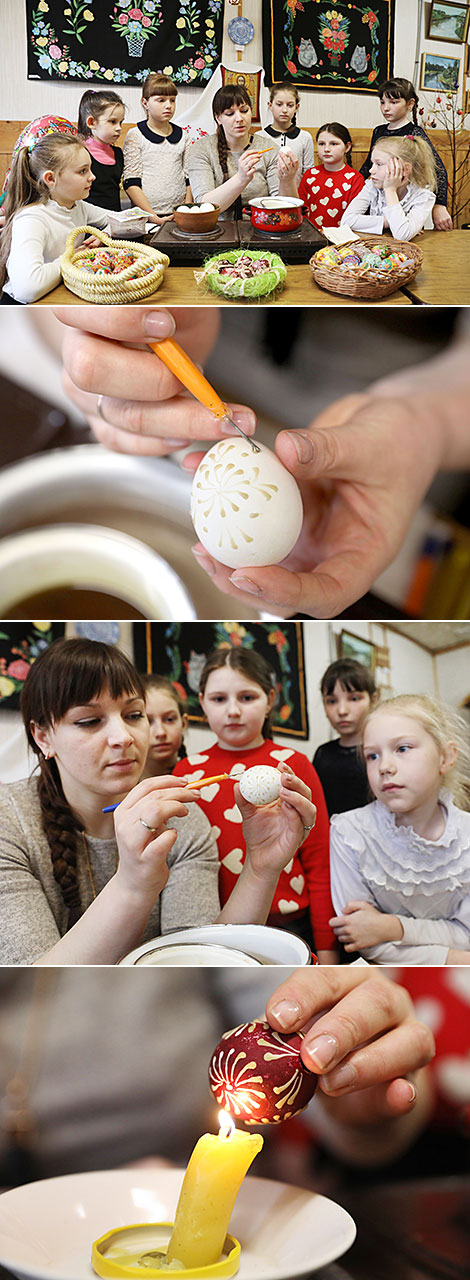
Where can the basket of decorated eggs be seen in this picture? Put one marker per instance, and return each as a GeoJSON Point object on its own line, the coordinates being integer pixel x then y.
{"type": "Point", "coordinates": [115, 271]}
{"type": "Point", "coordinates": [371, 267]}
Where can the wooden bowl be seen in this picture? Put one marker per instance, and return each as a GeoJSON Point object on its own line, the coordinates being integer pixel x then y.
{"type": "Point", "coordinates": [194, 222]}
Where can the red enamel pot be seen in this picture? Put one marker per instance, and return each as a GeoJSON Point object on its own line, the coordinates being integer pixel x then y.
{"type": "Point", "coordinates": [276, 213]}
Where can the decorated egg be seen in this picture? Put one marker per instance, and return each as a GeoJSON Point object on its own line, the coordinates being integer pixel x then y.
{"type": "Point", "coordinates": [258, 1076]}
{"type": "Point", "coordinates": [261, 784]}
{"type": "Point", "coordinates": [246, 507]}
{"type": "Point", "coordinates": [327, 257]}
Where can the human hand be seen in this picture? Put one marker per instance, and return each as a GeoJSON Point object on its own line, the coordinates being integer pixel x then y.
{"type": "Point", "coordinates": [274, 832]}
{"type": "Point", "coordinates": [441, 218]}
{"type": "Point", "coordinates": [395, 174]}
{"type": "Point", "coordinates": [102, 358]}
{"type": "Point", "coordinates": [362, 1038]}
{"type": "Point", "coordinates": [287, 163]}
{"type": "Point", "coordinates": [362, 467]}
{"type": "Point", "coordinates": [362, 925]}
{"type": "Point", "coordinates": [247, 164]}
{"type": "Point", "coordinates": [161, 218]}
{"type": "Point", "coordinates": [92, 242]}
{"type": "Point", "coordinates": [142, 834]}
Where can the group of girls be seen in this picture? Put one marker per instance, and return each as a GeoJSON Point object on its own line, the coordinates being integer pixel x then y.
{"type": "Point", "coordinates": [64, 181]}
{"type": "Point", "coordinates": [81, 884]}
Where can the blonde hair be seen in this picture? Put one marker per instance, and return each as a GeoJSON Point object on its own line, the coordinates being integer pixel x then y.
{"type": "Point", "coordinates": [415, 152]}
{"type": "Point", "coordinates": [26, 184]}
{"type": "Point", "coordinates": [444, 725]}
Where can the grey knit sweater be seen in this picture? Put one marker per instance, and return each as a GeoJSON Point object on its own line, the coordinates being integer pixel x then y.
{"type": "Point", "coordinates": [33, 915]}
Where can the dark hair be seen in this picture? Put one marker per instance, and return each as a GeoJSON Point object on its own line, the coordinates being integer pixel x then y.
{"type": "Point", "coordinates": [283, 85]}
{"type": "Point", "coordinates": [92, 103]}
{"type": "Point", "coordinates": [151, 681]}
{"type": "Point", "coordinates": [69, 673]}
{"type": "Point", "coordinates": [339, 131]}
{"type": "Point", "coordinates": [352, 675]}
{"type": "Point", "coordinates": [398, 87]}
{"type": "Point", "coordinates": [249, 664]}
{"type": "Point", "coordinates": [230, 95]}
{"type": "Point", "coordinates": [156, 82]}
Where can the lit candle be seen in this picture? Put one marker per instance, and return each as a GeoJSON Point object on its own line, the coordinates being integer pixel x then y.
{"type": "Point", "coordinates": [210, 1187]}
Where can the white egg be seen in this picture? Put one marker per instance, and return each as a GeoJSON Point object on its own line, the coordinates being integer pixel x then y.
{"type": "Point", "coordinates": [206, 208]}
{"type": "Point", "coordinates": [182, 208]}
{"type": "Point", "coordinates": [245, 507]}
{"type": "Point", "coordinates": [260, 785]}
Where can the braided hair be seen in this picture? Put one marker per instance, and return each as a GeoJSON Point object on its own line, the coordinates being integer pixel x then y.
{"type": "Point", "coordinates": [230, 95]}
{"type": "Point", "coordinates": [68, 673]}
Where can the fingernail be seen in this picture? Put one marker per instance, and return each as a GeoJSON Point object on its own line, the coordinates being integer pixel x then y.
{"type": "Point", "coordinates": [245, 419]}
{"type": "Point", "coordinates": [174, 444]}
{"type": "Point", "coordinates": [158, 324]}
{"type": "Point", "coordinates": [339, 1079]}
{"type": "Point", "coordinates": [286, 1012]}
{"type": "Point", "coordinates": [245, 584]}
{"type": "Point", "coordinates": [412, 1090]}
{"type": "Point", "coordinates": [321, 1051]}
{"type": "Point", "coordinates": [205, 561]}
{"type": "Point", "coordinates": [302, 444]}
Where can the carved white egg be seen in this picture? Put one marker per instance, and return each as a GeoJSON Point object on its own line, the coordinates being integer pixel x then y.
{"type": "Point", "coordinates": [246, 507]}
{"type": "Point", "coordinates": [261, 784]}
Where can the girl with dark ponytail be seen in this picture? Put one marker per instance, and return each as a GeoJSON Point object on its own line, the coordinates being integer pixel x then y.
{"type": "Point", "coordinates": [80, 884]}
{"type": "Point", "coordinates": [232, 166]}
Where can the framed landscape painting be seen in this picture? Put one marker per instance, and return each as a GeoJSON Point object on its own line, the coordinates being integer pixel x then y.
{"type": "Point", "coordinates": [439, 73]}
{"type": "Point", "coordinates": [448, 22]}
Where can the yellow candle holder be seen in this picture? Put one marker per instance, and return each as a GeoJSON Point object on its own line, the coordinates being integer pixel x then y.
{"type": "Point", "coordinates": [120, 1253]}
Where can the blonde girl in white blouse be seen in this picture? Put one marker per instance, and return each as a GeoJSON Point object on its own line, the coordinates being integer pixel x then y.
{"type": "Point", "coordinates": [400, 867]}
{"type": "Point", "coordinates": [399, 195]}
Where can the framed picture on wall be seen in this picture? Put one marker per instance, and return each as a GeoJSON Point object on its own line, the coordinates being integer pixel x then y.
{"type": "Point", "coordinates": [448, 22]}
{"type": "Point", "coordinates": [20, 644]}
{"type": "Point", "coordinates": [351, 646]}
{"type": "Point", "coordinates": [179, 650]}
{"type": "Point", "coordinates": [466, 61]}
{"type": "Point", "coordinates": [439, 73]}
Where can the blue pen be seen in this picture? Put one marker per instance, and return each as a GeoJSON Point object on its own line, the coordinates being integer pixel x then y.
{"type": "Point", "coordinates": [110, 808]}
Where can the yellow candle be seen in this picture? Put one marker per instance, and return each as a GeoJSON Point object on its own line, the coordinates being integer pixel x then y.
{"type": "Point", "coordinates": [211, 1183]}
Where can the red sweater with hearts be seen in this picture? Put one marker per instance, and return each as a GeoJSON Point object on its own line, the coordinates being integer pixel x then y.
{"type": "Point", "coordinates": [306, 883]}
{"type": "Point", "coordinates": [326, 195]}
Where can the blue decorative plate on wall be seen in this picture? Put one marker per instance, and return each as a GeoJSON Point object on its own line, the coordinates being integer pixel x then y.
{"type": "Point", "coordinates": [241, 30]}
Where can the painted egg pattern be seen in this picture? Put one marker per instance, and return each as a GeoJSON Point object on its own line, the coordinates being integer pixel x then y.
{"type": "Point", "coordinates": [245, 506]}
{"type": "Point", "coordinates": [261, 784]}
{"type": "Point", "coordinates": [257, 1074]}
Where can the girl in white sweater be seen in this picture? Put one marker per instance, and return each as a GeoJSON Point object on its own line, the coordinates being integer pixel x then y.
{"type": "Point", "coordinates": [399, 195]}
{"type": "Point", "coordinates": [400, 867]}
{"type": "Point", "coordinates": [46, 198]}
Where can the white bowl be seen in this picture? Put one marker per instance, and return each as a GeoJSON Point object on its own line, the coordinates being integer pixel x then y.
{"type": "Point", "coordinates": [47, 1228]}
{"type": "Point", "coordinates": [93, 557]}
{"type": "Point", "coordinates": [256, 942]}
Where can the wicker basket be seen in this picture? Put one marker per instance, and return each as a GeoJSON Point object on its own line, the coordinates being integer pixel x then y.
{"type": "Point", "coordinates": [130, 285]}
{"type": "Point", "coordinates": [369, 283]}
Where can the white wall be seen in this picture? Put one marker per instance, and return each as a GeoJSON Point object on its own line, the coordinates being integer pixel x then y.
{"type": "Point", "coordinates": [22, 99]}
{"type": "Point", "coordinates": [413, 669]}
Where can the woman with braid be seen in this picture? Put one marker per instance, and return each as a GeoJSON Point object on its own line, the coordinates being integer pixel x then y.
{"type": "Point", "coordinates": [79, 885]}
{"type": "Point", "coordinates": [232, 166]}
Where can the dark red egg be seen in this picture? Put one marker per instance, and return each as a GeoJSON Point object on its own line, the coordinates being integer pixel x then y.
{"type": "Point", "coordinates": [257, 1074]}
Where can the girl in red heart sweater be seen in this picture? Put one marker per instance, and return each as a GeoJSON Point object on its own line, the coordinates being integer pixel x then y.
{"type": "Point", "coordinates": [329, 186]}
{"type": "Point", "coordinates": [237, 693]}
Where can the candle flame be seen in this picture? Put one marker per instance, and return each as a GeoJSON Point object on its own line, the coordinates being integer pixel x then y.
{"type": "Point", "coordinates": [227, 1125]}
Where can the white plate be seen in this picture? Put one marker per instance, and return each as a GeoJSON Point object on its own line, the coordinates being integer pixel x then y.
{"type": "Point", "coordinates": [47, 1228]}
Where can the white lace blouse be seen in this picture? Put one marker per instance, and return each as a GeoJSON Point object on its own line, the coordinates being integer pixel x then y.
{"type": "Point", "coordinates": [425, 883]}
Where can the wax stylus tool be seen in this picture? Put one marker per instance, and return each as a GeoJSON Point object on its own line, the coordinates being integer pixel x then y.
{"type": "Point", "coordinates": [179, 363]}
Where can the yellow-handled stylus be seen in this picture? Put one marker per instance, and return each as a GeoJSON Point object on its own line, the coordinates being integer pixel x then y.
{"type": "Point", "coordinates": [179, 363]}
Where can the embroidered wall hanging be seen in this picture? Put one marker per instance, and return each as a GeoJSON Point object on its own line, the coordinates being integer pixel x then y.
{"type": "Point", "coordinates": [120, 43]}
{"type": "Point", "coordinates": [179, 650]}
{"type": "Point", "coordinates": [317, 46]}
{"type": "Point", "coordinates": [20, 644]}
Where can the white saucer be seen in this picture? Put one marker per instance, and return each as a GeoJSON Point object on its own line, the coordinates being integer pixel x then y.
{"type": "Point", "coordinates": [47, 1228]}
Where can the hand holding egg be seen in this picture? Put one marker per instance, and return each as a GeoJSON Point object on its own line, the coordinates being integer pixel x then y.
{"type": "Point", "coordinates": [257, 1074]}
{"type": "Point", "coordinates": [274, 826]}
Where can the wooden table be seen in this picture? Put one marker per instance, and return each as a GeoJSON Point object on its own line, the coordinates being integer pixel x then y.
{"type": "Point", "coordinates": [179, 289]}
{"type": "Point", "coordinates": [443, 280]}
